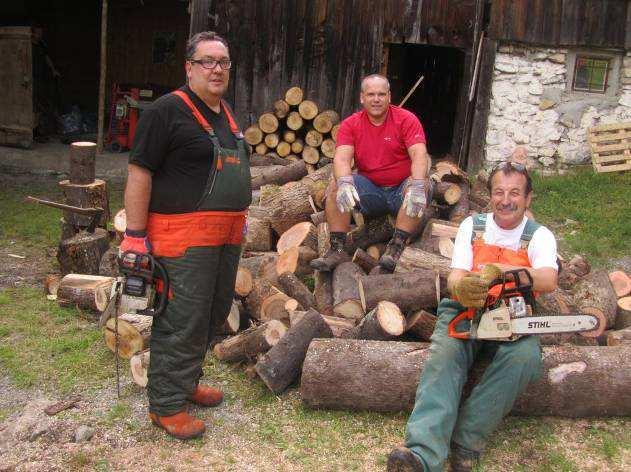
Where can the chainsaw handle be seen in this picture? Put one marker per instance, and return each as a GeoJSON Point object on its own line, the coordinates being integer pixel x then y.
{"type": "Point", "coordinates": [166, 286]}
{"type": "Point", "coordinates": [468, 314]}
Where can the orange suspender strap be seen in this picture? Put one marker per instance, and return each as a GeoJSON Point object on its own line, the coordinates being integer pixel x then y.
{"type": "Point", "coordinates": [200, 118]}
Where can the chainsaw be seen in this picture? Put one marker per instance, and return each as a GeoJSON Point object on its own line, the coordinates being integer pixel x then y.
{"type": "Point", "coordinates": [142, 288]}
{"type": "Point", "coordinates": [507, 314]}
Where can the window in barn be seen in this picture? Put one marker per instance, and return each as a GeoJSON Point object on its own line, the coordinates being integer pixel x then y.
{"type": "Point", "coordinates": [593, 72]}
{"type": "Point", "coordinates": [590, 74]}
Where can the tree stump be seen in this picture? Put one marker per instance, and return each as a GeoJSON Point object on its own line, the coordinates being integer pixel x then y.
{"type": "Point", "coordinates": [82, 253]}
{"type": "Point", "coordinates": [82, 162]}
{"type": "Point", "coordinates": [90, 195]}
{"type": "Point", "coordinates": [293, 287]}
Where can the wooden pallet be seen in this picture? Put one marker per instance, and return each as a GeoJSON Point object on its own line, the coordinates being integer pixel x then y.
{"type": "Point", "coordinates": [611, 147]}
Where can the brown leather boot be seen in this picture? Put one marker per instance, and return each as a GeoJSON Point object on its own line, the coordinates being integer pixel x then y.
{"type": "Point", "coordinates": [331, 259]}
{"type": "Point", "coordinates": [462, 459]}
{"type": "Point", "coordinates": [207, 396]}
{"type": "Point", "coordinates": [180, 426]}
{"type": "Point", "coordinates": [401, 459]}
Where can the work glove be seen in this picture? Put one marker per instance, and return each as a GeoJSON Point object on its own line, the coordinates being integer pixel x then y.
{"type": "Point", "coordinates": [472, 290]}
{"type": "Point", "coordinates": [347, 197]}
{"type": "Point", "coordinates": [415, 199]}
{"type": "Point", "coordinates": [135, 241]}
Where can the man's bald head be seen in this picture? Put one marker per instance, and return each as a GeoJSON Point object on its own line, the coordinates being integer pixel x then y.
{"type": "Point", "coordinates": [374, 78]}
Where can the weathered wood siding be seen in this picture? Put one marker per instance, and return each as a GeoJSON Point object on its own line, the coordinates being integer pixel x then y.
{"type": "Point", "coordinates": [601, 23]}
{"type": "Point", "coordinates": [326, 46]}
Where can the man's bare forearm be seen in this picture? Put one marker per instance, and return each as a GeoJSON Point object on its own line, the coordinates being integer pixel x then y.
{"type": "Point", "coordinates": [137, 196]}
{"type": "Point", "coordinates": [420, 161]}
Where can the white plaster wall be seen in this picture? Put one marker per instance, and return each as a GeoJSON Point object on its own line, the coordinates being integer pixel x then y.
{"type": "Point", "coordinates": [531, 107]}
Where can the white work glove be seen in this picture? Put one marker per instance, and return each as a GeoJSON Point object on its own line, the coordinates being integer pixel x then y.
{"type": "Point", "coordinates": [415, 199]}
{"type": "Point", "coordinates": [347, 197]}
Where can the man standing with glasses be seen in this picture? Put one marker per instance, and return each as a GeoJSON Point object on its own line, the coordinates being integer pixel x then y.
{"type": "Point", "coordinates": [188, 189]}
{"type": "Point", "coordinates": [486, 246]}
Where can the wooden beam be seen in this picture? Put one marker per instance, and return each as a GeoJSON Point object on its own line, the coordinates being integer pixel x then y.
{"type": "Point", "coordinates": [199, 16]}
{"type": "Point", "coordinates": [102, 79]}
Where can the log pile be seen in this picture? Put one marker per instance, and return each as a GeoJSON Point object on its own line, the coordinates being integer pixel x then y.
{"type": "Point", "coordinates": [294, 137]}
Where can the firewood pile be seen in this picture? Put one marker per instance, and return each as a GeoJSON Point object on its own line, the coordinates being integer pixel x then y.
{"type": "Point", "coordinates": [295, 132]}
{"type": "Point", "coordinates": [357, 338]}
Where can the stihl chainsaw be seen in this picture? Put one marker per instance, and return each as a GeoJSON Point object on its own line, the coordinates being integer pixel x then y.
{"type": "Point", "coordinates": [508, 314]}
{"type": "Point", "coordinates": [135, 292]}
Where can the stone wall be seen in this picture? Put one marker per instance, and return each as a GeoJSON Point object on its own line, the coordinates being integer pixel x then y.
{"type": "Point", "coordinates": [531, 107]}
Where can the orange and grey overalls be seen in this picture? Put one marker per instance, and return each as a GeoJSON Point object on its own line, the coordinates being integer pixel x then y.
{"type": "Point", "coordinates": [200, 251]}
{"type": "Point", "coordinates": [438, 418]}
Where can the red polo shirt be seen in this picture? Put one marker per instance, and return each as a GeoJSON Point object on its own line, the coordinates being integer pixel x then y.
{"type": "Point", "coordinates": [381, 151]}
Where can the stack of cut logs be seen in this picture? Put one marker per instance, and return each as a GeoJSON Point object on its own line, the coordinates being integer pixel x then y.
{"type": "Point", "coordinates": [295, 131]}
{"type": "Point", "coordinates": [358, 338]}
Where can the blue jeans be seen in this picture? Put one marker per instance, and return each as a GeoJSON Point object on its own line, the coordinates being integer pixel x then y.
{"type": "Point", "coordinates": [375, 200]}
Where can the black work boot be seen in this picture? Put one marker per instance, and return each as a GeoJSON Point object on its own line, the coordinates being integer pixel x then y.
{"type": "Point", "coordinates": [334, 256]}
{"type": "Point", "coordinates": [462, 459]}
{"type": "Point", "coordinates": [390, 257]}
{"type": "Point", "coordinates": [401, 459]}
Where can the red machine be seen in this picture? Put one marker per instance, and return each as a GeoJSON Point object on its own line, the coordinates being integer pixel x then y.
{"type": "Point", "coordinates": [127, 101]}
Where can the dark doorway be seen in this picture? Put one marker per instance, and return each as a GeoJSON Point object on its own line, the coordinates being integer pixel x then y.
{"type": "Point", "coordinates": [435, 101]}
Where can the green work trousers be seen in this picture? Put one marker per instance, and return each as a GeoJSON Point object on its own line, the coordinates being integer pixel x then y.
{"type": "Point", "coordinates": [202, 282]}
{"type": "Point", "coordinates": [438, 418]}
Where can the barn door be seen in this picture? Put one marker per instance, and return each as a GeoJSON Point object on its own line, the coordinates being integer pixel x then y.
{"type": "Point", "coordinates": [16, 84]}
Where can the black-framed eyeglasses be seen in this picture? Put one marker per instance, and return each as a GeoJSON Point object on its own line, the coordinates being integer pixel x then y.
{"type": "Point", "coordinates": [212, 63]}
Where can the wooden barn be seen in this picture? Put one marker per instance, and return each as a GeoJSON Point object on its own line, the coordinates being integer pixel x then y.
{"type": "Point", "coordinates": [497, 74]}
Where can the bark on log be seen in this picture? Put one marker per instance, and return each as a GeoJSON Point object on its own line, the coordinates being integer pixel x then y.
{"type": "Point", "coordinates": [296, 260]}
{"type": "Point", "coordinates": [301, 234]}
{"type": "Point", "coordinates": [293, 287]}
{"type": "Point", "coordinates": [376, 230]}
{"type": "Point", "coordinates": [251, 342]}
{"type": "Point", "coordinates": [410, 292]}
{"type": "Point", "coordinates": [413, 259]}
{"type": "Point", "coordinates": [383, 323]}
{"type": "Point", "coordinates": [323, 292]}
{"type": "Point", "coordinates": [623, 318]}
{"type": "Point", "coordinates": [89, 292]}
{"type": "Point", "coordinates": [594, 293]}
{"type": "Point", "coordinates": [346, 298]}
{"type": "Point", "coordinates": [82, 162]}
{"type": "Point", "coordinates": [67, 230]}
{"type": "Point", "coordinates": [262, 160]}
{"type": "Point", "coordinates": [364, 260]}
{"type": "Point", "coordinates": [109, 263]}
{"type": "Point", "coordinates": [324, 239]}
{"type": "Point", "coordinates": [267, 269]}
{"type": "Point", "coordinates": [139, 367]}
{"type": "Point", "coordinates": [346, 374]}
{"type": "Point", "coordinates": [268, 122]}
{"type": "Point", "coordinates": [274, 307]}
{"type": "Point", "coordinates": [134, 332]}
{"type": "Point", "coordinates": [254, 261]}
{"type": "Point", "coordinates": [261, 289]}
{"type": "Point", "coordinates": [619, 337]}
{"type": "Point", "coordinates": [279, 175]}
{"type": "Point", "coordinates": [573, 271]}
{"type": "Point", "coordinates": [340, 327]}
{"type": "Point", "coordinates": [288, 205]}
{"type": "Point", "coordinates": [281, 365]}
{"type": "Point", "coordinates": [91, 195]}
{"type": "Point", "coordinates": [294, 95]}
{"type": "Point", "coordinates": [318, 217]}
{"type": "Point", "coordinates": [83, 252]}
{"type": "Point", "coordinates": [253, 135]}
{"type": "Point", "coordinates": [421, 324]}
{"type": "Point", "coordinates": [259, 234]}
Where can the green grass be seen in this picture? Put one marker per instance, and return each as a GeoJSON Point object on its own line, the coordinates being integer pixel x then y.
{"type": "Point", "coordinates": [42, 344]}
{"type": "Point", "coordinates": [587, 211]}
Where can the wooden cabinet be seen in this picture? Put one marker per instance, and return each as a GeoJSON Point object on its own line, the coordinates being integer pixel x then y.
{"type": "Point", "coordinates": [16, 87]}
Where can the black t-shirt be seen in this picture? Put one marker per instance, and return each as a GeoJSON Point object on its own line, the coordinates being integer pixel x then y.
{"type": "Point", "coordinates": [177, 150]}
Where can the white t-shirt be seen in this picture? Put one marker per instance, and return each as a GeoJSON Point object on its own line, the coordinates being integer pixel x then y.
{"type": "Point", "coordinates": [542, 249]}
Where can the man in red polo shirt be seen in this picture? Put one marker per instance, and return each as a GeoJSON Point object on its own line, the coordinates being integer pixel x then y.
{"type": "Point", "coordinates": [388, 146]}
